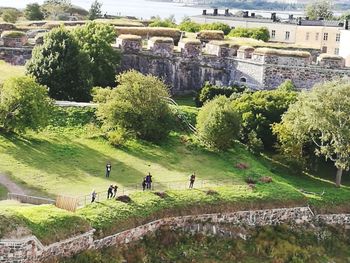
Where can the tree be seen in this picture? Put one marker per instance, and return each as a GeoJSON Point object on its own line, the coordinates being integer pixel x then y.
{"type": "Point", "coordinates": [10, 15]}
{"type": "Point", "coordinates": [95, 10]}
{"type": "Point", "coordinates": [261, 109]}
{"type": "Point", "coordinates": [189, 26]}
{"type": "Point", "coordinates": [24, 104]}
{"type": "Point", "coordinates": [218, 124]}
{"type": "Point", "coordinates": [95, 40]}
{"type": "Point", "coordinates": [53, 8]}
{"type": "Point", "coordinates": [33, 12]}
{"type": "Point", "coordinates": [217, 26]}
{"type": "Point", "coordinates": [319, 9]}
{"type": "Point", "coordinates": [60, 64]}
{"type": "Point", "coordinates": [137, 105]}
{"type": "Point", "coordinates": [167, 22]}
{"type": "Point", "coordinates": [259, 33]}
{"type": "Point", "coordinates": [320, 116]}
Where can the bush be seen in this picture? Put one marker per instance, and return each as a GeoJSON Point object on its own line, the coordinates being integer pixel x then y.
{"type": "Point", "coordinates": [189, 26]}
{"type": "Point", "coordinates": [10, 15]}
{"type": "Point", "coordinates": [163, 23]}
{"type": "Point", "coordinates": [117, 137]}
{"type": "Point", "coordinates": [218, 124]}
{"type": "Point", "coordinates": [260, 33]}
{"type": "Point", "coordinates": [209, 91]}
{"type": "Point", "coordinates": [136, 105]}
{"type": "Point", "coordinates": [254, 143]}
{"type": "Point", "coordinates": [217, 26]}
{"type": "Point", "coordinates": [24, 104]}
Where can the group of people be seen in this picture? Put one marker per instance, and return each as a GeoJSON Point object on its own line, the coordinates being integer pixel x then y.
{"type": "Point", "coordinates": [146, 184]}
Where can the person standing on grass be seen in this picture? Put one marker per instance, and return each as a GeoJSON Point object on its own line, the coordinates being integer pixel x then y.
{"type": "Point", "coordinates": [108, 169]}
{"type": "Point", "coordinates": [110, 192]}
{"type": "Point", "coordinates": [93, 196]}
{"type": "Point", "coordinates": [115, 189]}
{"type": "Point", "coordinates": [144, 184]}
{"type": "Point", "coordinates": [149, 181]}
{"type": "Point", "coordinates": [192, 179]}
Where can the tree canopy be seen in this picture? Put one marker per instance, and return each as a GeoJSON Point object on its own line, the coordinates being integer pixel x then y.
{"type": "Point", "coordinates": [259, 33]}
{"type": "Point", "coordinates": [319, 9]}
{"type": "Point", "coordinates": [60, 64]}
{"type": "Point", "coordinates": [33, 12]}
{"type": "Point", "coordinates": [10, 15]}
{"type": "Point", "coordinates": [95, 10]}
{"type": "Point", "coordinates": [218, 123]}
{"type": "Point", "coordinates": [95, 40]}
{"type": "Point", "coordinates": [320, 116]}
{"type": "Point", "coordinates": [137, 105]}
{"type": "Point", "coordinates": [24, 104]}
{"type": "Point", "coordinates": [53, 8]}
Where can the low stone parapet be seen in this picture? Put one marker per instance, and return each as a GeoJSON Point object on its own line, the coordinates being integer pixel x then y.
{"type": "Point", "coordinates": [191, 48]}
{"type": "Point", "coordinates": [245, 52]}
{"type": "Point", "coordinates": [331, 61]}
{"type": "Point", "coordinates": [129, 43]}
{"type": "Point", "coordinates": [162, 46]}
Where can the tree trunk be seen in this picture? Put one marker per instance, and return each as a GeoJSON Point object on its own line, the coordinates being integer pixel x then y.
{"type": "Point", "coordinates": [338, 177]}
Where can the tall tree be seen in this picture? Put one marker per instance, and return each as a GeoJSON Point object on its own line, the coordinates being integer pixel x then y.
{"type": "Point", "coordinates": [320, 116]}
{"type": "Point", "coordinates": [33, 12]}
{"type": "Point", "coordinates": [24, 104]}
{"type": "Point", "coordinates": [95, 10]}
{"type": "Point", "coordinates": [53, 8]}
{"type": "Point", "coordinates": [322, 8]}
{"type": "Point", "coordinates": [10, 15]}
{"type": "Point", "coordinates": [95, 40]}
{"type": "Point", "coordinates": [60, 64]}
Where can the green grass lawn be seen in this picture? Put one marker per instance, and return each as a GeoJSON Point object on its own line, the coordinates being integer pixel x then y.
{"type": "Point", "coordinates": [3, 192]}
{"type": "Point", "coordinates": [8, 70]}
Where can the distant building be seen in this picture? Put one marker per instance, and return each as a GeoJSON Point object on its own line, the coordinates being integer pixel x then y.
{"type": "Point", "coordinates": [344, 46]}
{"type": "Point", "coordinates": [320, 34]}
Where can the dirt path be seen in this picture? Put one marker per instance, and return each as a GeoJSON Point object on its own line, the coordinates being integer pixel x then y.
{"type": "Point", "coordinates": [11, 186]}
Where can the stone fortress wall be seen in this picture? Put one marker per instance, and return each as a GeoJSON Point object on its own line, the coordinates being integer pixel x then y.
{"type": "Point", "coordinates": [30, 249]}
{"type": "Point", "coordinates": [189, 65]}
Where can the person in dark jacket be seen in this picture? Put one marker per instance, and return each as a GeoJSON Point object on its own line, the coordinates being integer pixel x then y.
{"type": "Point", "coordinates": [192, 179]}
{"type": "Point", "coordinates": [149, 181]}
{"type": "Point", "coordinates": [144, 184]}
{"type": "Point", "coordinates": [108, 169]}
{"type": "Point", "coordinates": [115, 190]}
{"type": "Point", "coordinates": [110, 192]}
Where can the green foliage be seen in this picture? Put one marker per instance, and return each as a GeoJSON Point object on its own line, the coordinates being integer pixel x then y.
{"type": "Point", "coordinates": [167, 22]}
{"type": "Point", "coordinates": [7, 70]}
{"type": "Point", "coordinates": [10, 15]}
{"type": "Point", "coordinates": [261, 109]}
{"type": "Point", "coordinates": [209, 91]}
{"type": "Point", "coordinates": [218, 124]}
{"type": "Point", "coordinates": [95, 40]}
{"type": "Point", "coordinates": [60, 64]}
{"type": "Point", "coordinates": [189, 26]}
{"type": "Point", "coordinates": [259, 33]}
{"type": "Point", "coordinates": [13, 34]}
{"type": "Point", "coordinates": [319, 9]}
{"type": "Point", "coordinates": [52, 9]}
{"type": "Point", "coordinates": [254, 143]}
{"type": "Point", "coordinates": [95, 10]}
{"type": "Point", "coordinates": [71, 116]}
{"type": "Point", "coordinates": [320, 116]}
{"type": "Point", "coordinates": [33, 12]}
{"type": "Point", "coordinates": [136, 105]}
{"type": "Point", "coordinates": [217, 26]}
{"type": "Point", "coordinates": [24, 104]}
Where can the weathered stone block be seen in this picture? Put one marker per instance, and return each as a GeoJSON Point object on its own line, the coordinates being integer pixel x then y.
{"type": "Point", "coordinates": [190, 48]}
{"type": "Point", "coordinates": [161, 46]}
{"type": "Point", "coordinates": [129, 43]}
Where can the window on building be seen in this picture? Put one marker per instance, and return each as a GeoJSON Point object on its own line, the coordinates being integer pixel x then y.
{"type": "Point", "coordinates": [243, 79]}
{"type": "Point", "coordinates": [325, 36]}
{"type": "Point", "coordinates": [324, 49]}
{"type": "Point", "coordinates": [287, 35]}
{"type": "Point", "coordinates": [307, 36]}
{"type": "Point", "coordinates": [317, 36]}
{"type": "Point", "coordinates": [336, 51]}
{"type": "Point", "coordinates": [273, 33]}
{"type": "Point", "coordinates": [337, 37]}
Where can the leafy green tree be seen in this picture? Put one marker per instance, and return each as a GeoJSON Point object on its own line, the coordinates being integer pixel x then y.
{"type": "Point", "coordinates": [167, 22]}
{"type": "Point", "coordinates": [24, 104]}
{"type": "Point", "coordinates": [259, 33]}
{"type": "Point", "coordinates": [54, 8]}
{"type": "Point", "coordinates": [95, 40]}
{"type": "Point", "coordinates": [189, 26]}
{"type": "Point", "coordinates": [320, 116]}
{"type": "Point", "coordinates": [137, 105]}
{"type": "Point", "coordinates": [318, 9]}
{"type": "Point", "coordinates": [60, 64]}
{"type": "Point", "coordinates": [10, 15]}
{"type": "Point", "coordinates": [95, 10]}
{"type": "Point", "coordinates": [218, 124]}
{"type": "Point", "coordinates": [217, 26]}
{"type": "Point", "coordinates": [261, 109]}
{"type": "Point", "coordinates": [33, 12]}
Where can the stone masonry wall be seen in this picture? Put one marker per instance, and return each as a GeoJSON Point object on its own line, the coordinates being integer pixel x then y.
{"type": "Point", "coordinates": [30, 250]}
{"type": "Point", "coordinates": [15, 56]}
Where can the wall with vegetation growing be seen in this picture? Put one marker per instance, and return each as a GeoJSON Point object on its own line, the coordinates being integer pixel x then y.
{"type": "Point", "coordinates": [31, 250]}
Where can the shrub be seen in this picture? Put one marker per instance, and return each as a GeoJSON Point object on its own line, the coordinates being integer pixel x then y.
{"type": "Point", "coordinates": [217, 26]}
{"type": "Point", "coordinates": [24, 104]}
{"type": "Point", "coordinates": [260, 33]}
{"type": "Point", "coordinates": [124, 199]}
{"type": "Point", "coordinates": [136, 105]}
{"type": "Point", "coordinates": [254, 143]}
{"type": "Point", "coordinates": [218, 124]}
{"type": "Point", "coordinates": [10, 15]}
{"type": "Point", "coordinates": [117, 137]}
{"type": "Point", "coordinates": [161, 194]}
{"type": "Point", "coordinates": [13, 34]}
{"type": "Point", "coordinates": [207, 35]}
{"type": "Point", "coordinates": [189, 26]}
{"type": "Point", "coordinates": [209, 91]}
{"type": "Point", "coordinates": [163, 23]}
{"type": "Point", "coordinates": [266, 179]}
